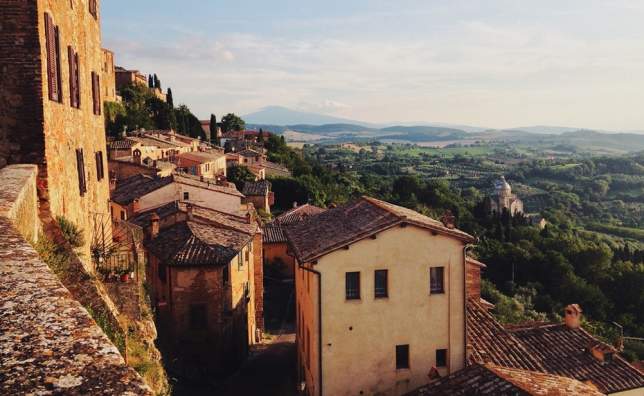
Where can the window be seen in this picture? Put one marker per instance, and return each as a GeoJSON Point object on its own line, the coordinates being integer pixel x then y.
{"type": "Point", "coordinates": [436, 280]}
{"type": "Point", "coordinates": [74, 77]}
{"type": "Point", "coordinates": [225, 275]}
{"type": "Point", "coordinates": [80, 167]}
{"type": "Point", "coordinates": [52, 42]}
{"type": "Point", "coordinates": [308, 348]}
{"type": "Point", "coordinates": [380, 284]}
{"type": "Point", "coordinates": [353, 285]}
{"type": "Point", "coordinates": [441, 358]}
{"type": "Point", "coordinates": [198, 320]}
{"type": "Point", "coordinates": [96, 93]}
{"type": "Point", "coordinates": [122, 215]}
{"type": "Point", "coordinates": [186, 195]}
{"type": "Point", "coordinates": [162, 272]}
{"type": "Point", "coordinates": [240, 260]}
{"type": "Point", "coordinates": [93, 8]}
{"type": "Point", "coordinates": [402, 357]}
{"type": "Point", "coordinates": [100, 173]}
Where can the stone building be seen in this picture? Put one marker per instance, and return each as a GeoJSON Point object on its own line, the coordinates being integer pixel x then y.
{"type": "Point", "coordinates": [51, 106]}
{"type": "Point", "coordinates": [502, 198]}
{"type": "Point", "coordinates": [109, 76]}
{"type": "Point", "coordinates": [380, 299]}
{"type": "Point", "coordinates": [126, 77]}
{"type": "Point", "coordinates": [259, 194]}
{"type": "Point", "coordinates": [206, 282]}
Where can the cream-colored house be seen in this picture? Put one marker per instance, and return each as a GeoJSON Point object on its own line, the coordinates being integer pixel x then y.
{"type": "Point", "coordinates": [380, 294]}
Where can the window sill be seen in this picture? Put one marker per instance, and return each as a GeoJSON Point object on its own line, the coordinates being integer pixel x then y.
{"type": "Point", "coordinates": [437, 293]}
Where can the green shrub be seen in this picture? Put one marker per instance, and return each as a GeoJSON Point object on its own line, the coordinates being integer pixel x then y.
{"type": "Point", "coordinates": [71, 232]}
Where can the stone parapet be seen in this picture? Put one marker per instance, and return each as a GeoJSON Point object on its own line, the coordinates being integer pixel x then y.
{"type": "Point", "coordinates": [49, 344]}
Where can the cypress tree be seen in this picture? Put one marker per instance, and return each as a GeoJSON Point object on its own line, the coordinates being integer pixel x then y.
{"type": "Point", "coordinates": [157, 83]}
{"type": "Point", "coordinates": [169, 99]}
{"type": "Point", "coordinates": [150, 81]}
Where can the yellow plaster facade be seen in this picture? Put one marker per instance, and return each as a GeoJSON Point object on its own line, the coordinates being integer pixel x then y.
{"type": "Point", "coordinates": [359, 337]}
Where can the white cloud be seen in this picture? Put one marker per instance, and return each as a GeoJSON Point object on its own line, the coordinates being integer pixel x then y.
{"type": "Point", "coordinates": [474, 72]}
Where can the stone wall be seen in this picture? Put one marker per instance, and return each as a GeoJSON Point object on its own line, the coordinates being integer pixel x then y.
{"type": "Point", "coordinates": [49, 344]}
{"type": "Point", "coordinates": [21, 109]}
{"type": "Point", "coordinates": [37, 130]}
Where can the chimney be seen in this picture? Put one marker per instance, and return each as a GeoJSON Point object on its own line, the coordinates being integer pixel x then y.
{"type": "Point", "coordinates": [136, 206]}
{"type": "Point", "coordinates": [189, 211]}
{"type": "Point", "coordinates": [294, 204]}
{"type": "Point", "coordinates": [249, 217]}
{"type": "Point", "coordinates": [112, 184]}
{"type": "Point", "coordinates": [601, 352]}
{"type": "Point", "coordinates": [573, 316]}
{"type": "Point", "coordinates": [154, 225]}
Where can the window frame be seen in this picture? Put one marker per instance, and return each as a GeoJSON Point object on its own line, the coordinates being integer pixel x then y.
{"type": "Point", "coordinates": [352, 293]}
{"type": "Point", "coordinates": [80, 167]}
{"type": "Point", "coordinates": [402, 351]}
{"type": "Point", "coordinates": [432, 284]}
{"type": "Point", "coordinates": [444, 359]}
{"type": "Point", "coordinates": [186, 195]}
{"type": "Point", "coordinates": [100, 170]}
{"type": "Point", "coordinates": [384, 293]}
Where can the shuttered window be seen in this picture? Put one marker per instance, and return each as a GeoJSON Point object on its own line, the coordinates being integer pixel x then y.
{"type": "Point", "coordinates": [93, 8]}
{"type": "Point", "coordinates": [96, 93]}
{"type": "Point", "coordinates": [99, 165]}
{"type": "Point", "coordinates": [352, 284]}
{"type": "Point", "coordinates": [74, 77]}
{"type": "Point", "coordinates": [52, 43]}
{"type": "Point", "coordinates": [80, 166]}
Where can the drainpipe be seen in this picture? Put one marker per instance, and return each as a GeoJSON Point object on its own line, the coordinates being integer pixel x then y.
{"type": "Point", "coordinates": [319, 275]}
{"type": "Point", "coordinates": [465, 248]}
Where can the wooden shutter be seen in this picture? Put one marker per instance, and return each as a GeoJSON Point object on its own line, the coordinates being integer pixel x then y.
{"type": "Point", "coordinates": [96, 93]}
{"type": "Point", "coordinates": [50, 44]}
{"type": "Point", "coordinates": [80, 166]}
{"type": "Point", "coordinates": [99, 165]}
{"type": "Point", "coordinates": [92, 8]}
{"type": "Point", "coordinates": [77, 78]}
{"type": "Point", "coordinates": [72, 76]}
{"type": "Point", "coordinates": [58, 73]}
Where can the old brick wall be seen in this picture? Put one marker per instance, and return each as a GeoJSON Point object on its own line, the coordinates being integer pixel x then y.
{"type": "Point", "coordinates": [21, 118]}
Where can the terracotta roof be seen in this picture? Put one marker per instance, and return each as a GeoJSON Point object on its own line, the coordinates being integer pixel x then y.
{"type": "Point", "coordinates": [349, 223]}
{"type": "Point", "coordinates": [152, 141]}
{"type": "Point", "coordinates": [564, 351]}
{"type": "Point", "coordinates": [207, 184]}
{"type": "Point", "coordinates": [274, 233]}
{"type": "Point", "coordinates": [194, 243]}
{"type": "Point", "coordinates": [261, 187]}
{"type": "Point", "coordinates": [298, 214]}
{"type": "Point", "coordinates": [492, 343]}
{"type": "Point", "coordinates": [249, 153]}
{"type": "Point", "coordinates": [489, 379]}
{"type": "Point", "coordinates": [131, 188]}
{"type": "Point", "coordinates": [120, 144]}
{"type": "Point", "coordinates": [474, 261]}
{"type": "Point", "coordinates": [200, 156]}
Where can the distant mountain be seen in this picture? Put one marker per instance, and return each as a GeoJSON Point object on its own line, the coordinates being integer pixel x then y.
{"type": "Point", "coordinates": [278, 115]}
{"type": "Point", "coordinates": [547, 129]}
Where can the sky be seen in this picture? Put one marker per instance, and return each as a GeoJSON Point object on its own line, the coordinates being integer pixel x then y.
{"type": "Point", "coordinates": [492, 63]}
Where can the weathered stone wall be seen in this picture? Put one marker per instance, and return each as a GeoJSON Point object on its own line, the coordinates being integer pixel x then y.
{"type": "Point", "coordinates": [109, 76]}
{"type": "Point", "coordinates": [37, 130]}
{"type": "Point", "coordinates": [21, 108]}
{"type": "Point", "coordinates": [258, 264]}
{"type": "Point", "coordinates": [67, 128]}
{"type": "Point", "coordinates": [49, 344]}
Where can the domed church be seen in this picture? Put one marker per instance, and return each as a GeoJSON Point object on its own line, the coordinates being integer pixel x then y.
{"type": "Point", "coordinates": [502, 198]}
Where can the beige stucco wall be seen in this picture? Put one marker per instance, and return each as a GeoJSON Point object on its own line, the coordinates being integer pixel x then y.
{"type": "Point", "coordinates": [199, 196]}
{"type": "Point", "coordinates": [359, 336]}
{"type": "Point", "coordinates": [632, 392]}
{"type": "Point", "coordinates": [240, 275]}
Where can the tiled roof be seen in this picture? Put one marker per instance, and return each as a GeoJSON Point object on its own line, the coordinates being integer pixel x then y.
{"type": "Point", "coordinates": [149, 140]}
{"type": "Point", "coordinates": [274, 233]}
{"type": "Point", "coordinates": [492, 343]}
{"type": "Point", "coordinates": [120, 144]}
{"type": "Point", "coordinates": [261, 187]}
{"type": "Point", "coordinates": [298, 214]}
{"type": "Point", "coordinates": [489, 379]}
{"type": "Point", "coordinates": [341, 226]}
{"type": "Point", "coordinates": [564, 351]}
{"type": "Point", "coordinates": [194, 243]}
{"type": "Point", "coordinates": [207, 184]}
{"type": "Point", "coordinates": [201, 156]}
{"type": "Point", "coordinates": [127, 190]}
{"type": "Point", "coordinates": [226, 220]}
{"type": "Point", "coordinates": [142, 219]}
{"type": "Point", "coordinates": [274, 166]}
{"type": "Point", "coordinates": [249, 153]}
